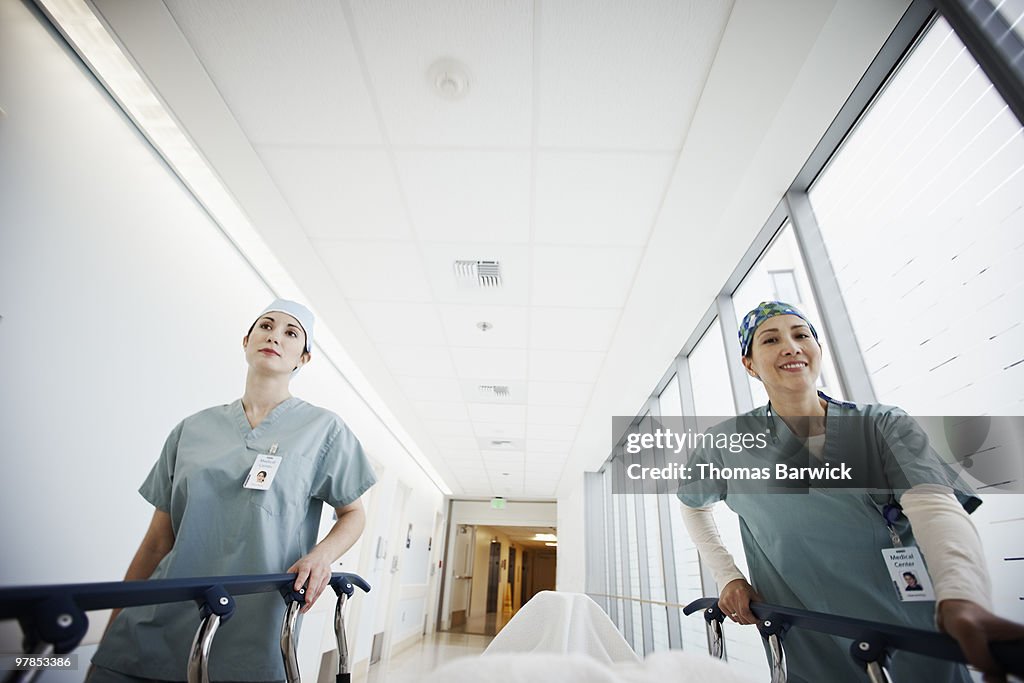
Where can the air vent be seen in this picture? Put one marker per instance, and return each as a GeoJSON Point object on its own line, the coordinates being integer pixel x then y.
{"type": "Point", "coordinates": [501, 443]}
{"type": "Point", "coordinates": [478, 274]}
{"type": "Point", "coordinates": [498, 390]}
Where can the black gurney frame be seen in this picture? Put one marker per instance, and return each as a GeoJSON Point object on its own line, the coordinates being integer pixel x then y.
{"type": "Point", "coordinates": [53, 619]}
{"type": "Point", "coordinates": [872, 641]}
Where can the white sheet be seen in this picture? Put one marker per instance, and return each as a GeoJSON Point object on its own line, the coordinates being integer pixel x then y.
{"type": "Point", "coordinates": [562, 623]}
{"type": "Point", "coordinates": [567, 637]}
{"type": "Point", "coordinates": [529, 667]}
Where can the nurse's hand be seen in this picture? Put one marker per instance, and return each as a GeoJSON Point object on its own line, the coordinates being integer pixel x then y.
{"type": "Point", "coordinates": [314, 570]}
{"type": "Point", "coordinates": [974, 627]}
{"type": "Point", "coordinates": [735, 600]}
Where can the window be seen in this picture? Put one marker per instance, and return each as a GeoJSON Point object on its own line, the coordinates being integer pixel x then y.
{"type": "Point", "coordinates": [709, 375]}
{"type": "Point", "coordinates": [784, 286]}
{"type": "Point", "coordinates": [712, 396]}
{"type": "Point", "coordinates": [921, 211]}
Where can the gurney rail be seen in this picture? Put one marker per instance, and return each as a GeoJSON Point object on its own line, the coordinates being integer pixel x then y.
{"type": "Point", "coordinates": [872, 641]}
{"type": "Point", "coordinates": [53, 618]}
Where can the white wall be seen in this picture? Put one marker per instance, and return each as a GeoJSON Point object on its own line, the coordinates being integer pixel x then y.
{"type": "Point", "coordinates": [571, 571]}
{"type": "Point", "coordinates": [123, 309]}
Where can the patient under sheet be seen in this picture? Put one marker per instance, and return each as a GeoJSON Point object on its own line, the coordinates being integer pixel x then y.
{"type": "Point", "coordinates": [563, 623]}
{"type": "Point", "coordinates": [568, 637]}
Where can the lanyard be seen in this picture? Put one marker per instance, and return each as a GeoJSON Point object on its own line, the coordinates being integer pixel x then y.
{"type": "Point", "coordinates": [891, 512]}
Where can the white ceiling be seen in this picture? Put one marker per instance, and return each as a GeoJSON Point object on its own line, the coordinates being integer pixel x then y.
{"type": "Point", "coordinates": [615, 156]}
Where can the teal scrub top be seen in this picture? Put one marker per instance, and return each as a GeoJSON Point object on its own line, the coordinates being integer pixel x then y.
{"type": "Point", "coordinates": [223, 529]}
{"type": "Point", "coordinates": [820, 548]}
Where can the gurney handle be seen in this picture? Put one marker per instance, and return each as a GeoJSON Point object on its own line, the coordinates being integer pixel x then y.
{"type": "Point", "coordinates": [1009, 654]}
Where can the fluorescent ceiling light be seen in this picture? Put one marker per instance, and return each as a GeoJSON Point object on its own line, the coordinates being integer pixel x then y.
{"type": "Point", "coordinates": [545, 537]}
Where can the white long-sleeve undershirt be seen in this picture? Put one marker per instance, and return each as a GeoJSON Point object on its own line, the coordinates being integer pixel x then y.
{"type": "Point", "coordinates": [950, 544]}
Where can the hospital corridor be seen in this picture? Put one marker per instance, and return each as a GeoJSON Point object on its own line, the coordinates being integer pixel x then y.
{"type": "Point", "coordinates": [383, 341]}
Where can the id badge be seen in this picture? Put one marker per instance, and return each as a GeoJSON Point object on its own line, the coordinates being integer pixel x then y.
{"type": "Point", "coordinates": [909, 576]}
{"type": "Point", "coordinates": [261, 475]}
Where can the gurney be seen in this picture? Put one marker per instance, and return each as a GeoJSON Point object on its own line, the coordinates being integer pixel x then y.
{"type": "Point", "coordinates": [568, 637]}
{"type": "Point", "coordinates": [53, 619]}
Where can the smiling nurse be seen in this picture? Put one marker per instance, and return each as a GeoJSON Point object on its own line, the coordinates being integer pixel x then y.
{"type": "Point", "coordinates": [238, 489]}
{"type": "Point", "coordinates": [821, 549]}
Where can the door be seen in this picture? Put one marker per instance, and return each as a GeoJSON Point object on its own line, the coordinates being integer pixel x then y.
{"type": "Point", "coordinates": [493, 576]}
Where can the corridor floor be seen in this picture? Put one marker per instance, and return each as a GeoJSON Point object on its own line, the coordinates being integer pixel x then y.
{"type": "Point", "coordinates": [412, 664]}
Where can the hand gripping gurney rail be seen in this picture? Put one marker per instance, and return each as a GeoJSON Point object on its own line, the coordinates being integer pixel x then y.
{"type": "Point", "coordinates": [53, 619]}
{"type": "Point", "coordinates": [872, 641]}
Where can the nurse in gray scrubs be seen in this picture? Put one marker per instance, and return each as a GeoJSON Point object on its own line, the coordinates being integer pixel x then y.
{"type": "Point", "coordinates": [816, 546]}
{"type": "Point", "coordinates": [215, 515]}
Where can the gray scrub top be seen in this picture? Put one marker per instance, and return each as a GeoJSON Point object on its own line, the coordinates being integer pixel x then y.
{"type": "Point", "coordinates": [820, 548]}
{"type": "Point", "coordinates": [222, 529]}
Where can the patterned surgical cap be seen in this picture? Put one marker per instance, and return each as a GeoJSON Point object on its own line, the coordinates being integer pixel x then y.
{"type": "Point", "coordinates": [763, 311]}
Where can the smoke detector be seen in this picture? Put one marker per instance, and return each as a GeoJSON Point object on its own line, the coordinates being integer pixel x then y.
{"type": "Point", "coordinates": [477, 274]}
{"type": "Point", "coordinates": [449, 79]}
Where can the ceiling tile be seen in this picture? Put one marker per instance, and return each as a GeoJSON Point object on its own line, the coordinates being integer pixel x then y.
{"type": "Point", "coordinates": [599, 198]}
{"type": "Point", "coordinates": [463, 456]}
{"type": "Point", "coordinates": [577, 329]}
{"type": "Point", "coordinates": [508, 486]}
{"type": "Point", "coordinates": [398, 323]}
{"type": "Point", "coordinates": [501, 441]}
{"type": "Point", "coordinates": [430, 389]}
{"type": "Point", "coordinates": [565, 366]}
{"type": "Point", "coordinates": [540, 445]}
{"type": "Point", "coordinates": [533, 491]}
{"type": "Point", "coordinates": [509, 459]}
{"type": "Point", "coordinates": [515, 269]}
{"type": "Point", "coordinates": [559, 393]}
{"type": "Point", "coordinates": [471, 391]}
{"type": "Point", "coordinates": [497, 364]}
{"type": "Point", "coordinates": [587, 277]}
{"type": "Point", "coordinates": [464, 464]}
{"type": "Point", "coordinates": [555, 415]}
{"type": "Point", "coordinates": [532, 480]}
{"type": "Point", "coordinates": [339, 193]}
{"type": "Point", "coordinates": [505, 472]}
{"type": "Point", "coordinates": [508, 326]}
{"type": "Point", "coordinates": [471, 196]}
{"type": "Point", "coordinates": [549, 433]}
{"type": "Point", "coordinates": [489, 412]}
{"type": "Point", "coordinates": [449, 428]}
{"type": "Point", "coordinates": [475, 485]}
{"type": "Point", "coordinates": [456, 443]}
{"type": "Point", "coordinates": [487, 432]}
{"type": "Point", "coordinates": [417, 361]}
{"type": "Point", "coordinates": [551, 464]}
{"type": "Point", "coordinates": [624, 75]}
{"type": "Point", "coordinates": [467, 470]}
{"type": "Point", "coordinates": [441, 411]}
{"type": "Point", "coordinates": [493, 41]}
{"type": "Point", "coordinates": [288, 71]}
{"type": "Point", "coordinates": [375, 271]}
